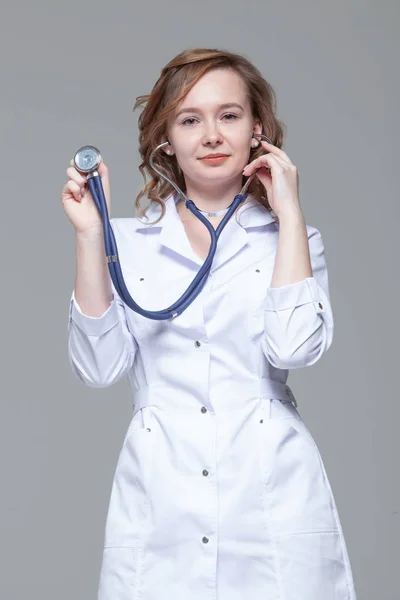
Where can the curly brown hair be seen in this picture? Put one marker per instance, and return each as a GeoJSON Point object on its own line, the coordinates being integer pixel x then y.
{"type": "Point", "coordinates": [176, 79]}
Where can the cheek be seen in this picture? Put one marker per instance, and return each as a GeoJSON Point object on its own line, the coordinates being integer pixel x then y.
{"type": "Point", "coordinates": [181, 154]}
{"type": "Point", "coordinates": [241, 157]}
{"type": "Point", "coordinates": [186, 163]}
{"type": "Point", "coordinates": [241, 145]}
{"type": "Point", "coordinates": [186, 153]}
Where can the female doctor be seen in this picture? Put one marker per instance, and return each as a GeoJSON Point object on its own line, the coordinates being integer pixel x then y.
{"type": "Point", "coordinates": [220, 492]}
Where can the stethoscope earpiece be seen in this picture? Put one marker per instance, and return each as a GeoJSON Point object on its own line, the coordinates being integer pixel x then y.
{"type": "Point", "coordinates": [254, 141]}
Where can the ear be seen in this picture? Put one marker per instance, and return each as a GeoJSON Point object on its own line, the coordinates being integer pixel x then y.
{"type": "Point", "coordinates": [257, 126]}
{"type": "Point", "coordinates": [168, 149]}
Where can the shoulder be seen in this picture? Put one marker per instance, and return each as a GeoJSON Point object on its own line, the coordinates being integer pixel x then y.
{"type": "Point", "coordinates": [152, 214]}
{"type": "Point", "coordinates": [313, 234]}
{"type": "Point", "coordinates": [126, 230]}
{"type": "Point", "coordinates": [312, 231]}
{"type": "Point", "coordinates": [123, 225]}
{"type": "Point", "coordinates": [316, 247]}
{"type": "Point", "coordinates": [314, 238]}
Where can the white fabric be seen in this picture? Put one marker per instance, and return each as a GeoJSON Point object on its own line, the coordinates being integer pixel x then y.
{"type": "Point", "coordinates": [220, 492]}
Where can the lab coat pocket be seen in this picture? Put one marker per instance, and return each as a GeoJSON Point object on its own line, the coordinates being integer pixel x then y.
{"type": "Point", "coordinates": [312, 566]}
{"type": "Point", "coordinates": [148, 293]}
{"type": "Point", "coordinates": [297, 492]}
{"type": "Point", "coordinates": [154, 291]}
{"type": "Point", "coordinates": [245, 288]}
{"type": "Point", "coordinates": [258, 280]}
{"type": "Point", "coordinates": [129, 501]}
{"type": "Point", "coordinates": [140, 421]}
{"type": "Point", "coordinates": [138, 443]}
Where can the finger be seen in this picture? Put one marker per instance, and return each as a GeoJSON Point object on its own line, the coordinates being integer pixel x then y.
{"type": "Point", "coordinates": [75, 189]}
{"type": "Point", "coordinates": [264, 173]}
{"type": "Point", "coordinates": [265, 178]}
{"type": "Point", "coordinates": [76, 176]}
{"type": "Point", "coordinates": [263, 159]}
{"type": "Point", "coordinates": [102, 169]}
{"type": "Point", "coordinates": [276, 151]}
{"type": "Point", "coordinates": [266, 160]}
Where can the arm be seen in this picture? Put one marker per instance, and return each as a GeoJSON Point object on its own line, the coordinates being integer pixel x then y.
{"type": "Point", "coordinates": [101, 349]}
{"type": "Point", "coordinates": [298, 316]}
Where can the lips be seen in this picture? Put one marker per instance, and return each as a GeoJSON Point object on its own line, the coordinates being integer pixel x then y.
{"type": "Point", "coordinates": [211, 156]}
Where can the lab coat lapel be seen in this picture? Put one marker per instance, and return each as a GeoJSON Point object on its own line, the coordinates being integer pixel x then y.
{"type": "Point", "coordinates": [172, 235]}
{"type": "Point", "coordinates": [232, 239]}
{"type": "Point", "coordinates": [170, 232]}
{"type": "Point", "coordinates": [235, 234]}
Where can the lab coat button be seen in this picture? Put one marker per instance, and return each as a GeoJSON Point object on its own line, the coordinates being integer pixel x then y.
{"type": "Point", "coordinates": [205, 540]}
{"type": "Point", "coordinates": [320, 305]}
{"type": "Point", "coordinates": [197, 344]}
{"type": "Point", "coordinates": [203, 409]}
{"type": "Point", "coordinates": [205, 472]}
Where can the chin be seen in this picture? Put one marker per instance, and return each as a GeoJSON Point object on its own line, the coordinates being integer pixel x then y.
{"type": "Point", "coordinates": [223, 172]}
{"type": "Point", "coordinates": [215, 179]}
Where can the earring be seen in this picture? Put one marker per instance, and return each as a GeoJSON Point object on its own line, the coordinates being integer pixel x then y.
{"type": "Point", "coordinates": [168, 151]}
{"type": "Point", "coordinates": [255, 143]}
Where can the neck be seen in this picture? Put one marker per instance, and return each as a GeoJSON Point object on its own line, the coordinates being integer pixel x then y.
{"type": "Point", "coordinates": [187, 216]}
{"type": "Point", "coordinates": [213, 197]}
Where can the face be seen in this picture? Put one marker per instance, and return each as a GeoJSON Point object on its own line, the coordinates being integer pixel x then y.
{"type": "Point", "coordinates": [213, 118]}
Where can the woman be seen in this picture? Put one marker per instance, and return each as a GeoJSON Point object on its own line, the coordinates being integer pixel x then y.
{"type": "Point", "coordinates": [220, 491]}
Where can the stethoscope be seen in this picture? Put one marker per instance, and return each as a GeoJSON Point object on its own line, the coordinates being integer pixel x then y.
{"type": "Point", "coordinates": [87, 160]}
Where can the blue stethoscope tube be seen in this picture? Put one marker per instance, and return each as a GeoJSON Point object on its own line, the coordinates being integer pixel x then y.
{"type": "Point", "coordinates": [114, 266]}
{"type": "Point", "coordinates": [96, 188]}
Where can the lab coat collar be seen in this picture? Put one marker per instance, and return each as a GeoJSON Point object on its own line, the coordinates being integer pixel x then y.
{"type": "Point", "coordinates": [172, 234]}
{"type": "Point", "coordinates": [256, 216]}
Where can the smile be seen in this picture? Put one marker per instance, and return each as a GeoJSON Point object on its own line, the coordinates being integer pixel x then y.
{"type": "Point", "coordinates": [215, 159]}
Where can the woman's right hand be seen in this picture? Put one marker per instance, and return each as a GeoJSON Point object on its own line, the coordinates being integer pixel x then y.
{"type": "Point", "coordinates": [78, 202]}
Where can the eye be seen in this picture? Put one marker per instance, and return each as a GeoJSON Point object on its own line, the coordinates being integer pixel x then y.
{"type": "Point", "coordinates": [191, 120]}
{"type": "Point", "coordinates": [186, 121]}
{"type": "Point", "coordinates": [230, 115]}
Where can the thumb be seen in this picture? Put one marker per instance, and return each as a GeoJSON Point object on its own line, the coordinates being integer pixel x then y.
{"type": "Point", "coordinates": [266, 179]}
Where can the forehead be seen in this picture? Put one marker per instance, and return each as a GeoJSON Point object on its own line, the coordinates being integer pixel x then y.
{"type": "Point", "coordinates": [216, 86]}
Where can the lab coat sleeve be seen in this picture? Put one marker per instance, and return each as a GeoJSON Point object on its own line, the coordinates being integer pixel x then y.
{"type": "Point", "coordinates": [101, 350]}
{"type": "Point", "coordinates": [298, 317]}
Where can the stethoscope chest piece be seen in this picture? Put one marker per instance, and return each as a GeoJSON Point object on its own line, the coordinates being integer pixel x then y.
{"type": "Point", "coordinates": [87, 159]}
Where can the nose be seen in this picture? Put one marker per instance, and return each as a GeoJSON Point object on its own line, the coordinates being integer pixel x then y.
{"type": "Point", "coordinates": [212, 135]}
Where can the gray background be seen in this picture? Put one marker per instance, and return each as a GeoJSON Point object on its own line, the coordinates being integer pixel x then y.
{"type": "Point", "coordinates": [70, 74]}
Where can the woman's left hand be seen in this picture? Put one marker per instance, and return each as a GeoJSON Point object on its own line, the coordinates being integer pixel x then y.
{"type": "Point", "coordinates": [281, 180]}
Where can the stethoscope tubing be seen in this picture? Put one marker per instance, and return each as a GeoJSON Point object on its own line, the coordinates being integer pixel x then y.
{"type": "Point", "coordinates": [96, 188]}
{"type": "Point", "coordinates": [194, 289]}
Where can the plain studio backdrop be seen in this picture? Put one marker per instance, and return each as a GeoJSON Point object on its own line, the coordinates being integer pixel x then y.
{"type": "Point", "coordinates": [70, 74]}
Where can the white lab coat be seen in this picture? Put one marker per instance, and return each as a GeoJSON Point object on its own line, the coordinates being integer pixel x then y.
{"type": "Point", "coordinates": [220, 492]}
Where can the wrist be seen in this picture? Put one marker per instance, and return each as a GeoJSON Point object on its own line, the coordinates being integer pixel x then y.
{"type": "Point", "coordinates": [94, 234]}
{"type": "Point", "coordinates": [291, 217]}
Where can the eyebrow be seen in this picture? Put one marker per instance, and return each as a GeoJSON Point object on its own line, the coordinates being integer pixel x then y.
{"type": "Point", "coordinates": [193, 109]}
